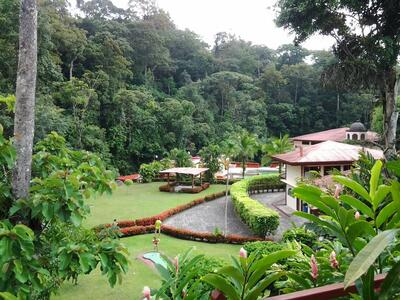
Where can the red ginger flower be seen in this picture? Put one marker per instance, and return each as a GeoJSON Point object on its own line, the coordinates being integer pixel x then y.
{"type": "Point", "coordinates": [314, 267]}
{"type": "Point", "coordinates": [333, 260]}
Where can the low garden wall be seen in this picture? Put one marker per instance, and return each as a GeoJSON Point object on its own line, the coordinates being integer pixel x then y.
{"type": "Point", "coordinates": [260, 219]}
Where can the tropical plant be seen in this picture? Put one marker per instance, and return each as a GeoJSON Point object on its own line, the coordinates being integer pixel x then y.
{"type": "Point", "coordinates": [210, 158]}
{"type": "Point", "coordinates": [248, 277]}
{"type": "Point", "coordinates": [276, 146]}
{"type": "Point", "coordinates": [247, 147]}
{"type": "Point", "coordinates": [180, 157]}
{"type": "Point", "coordinates": [357, 216]}
{"type": "Point", "coordinates": [177, 278]}
{"type": "Point", "coordinates": [41, 239]}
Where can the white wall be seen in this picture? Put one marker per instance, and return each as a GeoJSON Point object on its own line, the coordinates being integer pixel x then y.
{"type": "Point", "coordinates": [292, 174]}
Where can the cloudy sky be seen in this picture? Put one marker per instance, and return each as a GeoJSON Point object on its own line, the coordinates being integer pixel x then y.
{"type": "Point", "coordinates": [252, 20]}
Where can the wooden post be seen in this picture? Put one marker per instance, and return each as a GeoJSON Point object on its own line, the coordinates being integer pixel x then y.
{"type": "Point", "coordinates": [168, 179]}
{"type": "Point", "coordinates": [192, 182]}
{"type": "Point", "coordinates": [201, 180]}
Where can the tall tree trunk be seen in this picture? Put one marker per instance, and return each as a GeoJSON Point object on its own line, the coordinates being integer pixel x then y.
{"type": "Point", "coordinates": [24, 120]}
{"type": "Point", "coordinates": [390, 114]}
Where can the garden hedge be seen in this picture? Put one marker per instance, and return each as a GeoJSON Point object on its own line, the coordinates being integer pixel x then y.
{"type": "Point", "coordinates": [262, 220]}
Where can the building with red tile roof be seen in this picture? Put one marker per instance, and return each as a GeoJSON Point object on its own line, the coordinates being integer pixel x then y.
{"type": "Point", "coordinates": [323, 158]}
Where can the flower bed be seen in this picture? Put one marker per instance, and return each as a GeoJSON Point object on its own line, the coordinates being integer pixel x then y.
{"type": "Point", "coordinates": [261, 220]}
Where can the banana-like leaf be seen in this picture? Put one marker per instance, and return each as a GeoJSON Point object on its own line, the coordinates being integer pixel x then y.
{"type": "Point", "coordinates": [315, 219]}
{"type": "Point", "coordinates": [223, 285]}
{"type": "Point", "coordinates": [353, 185]}
{"type": "Point", "coordinates": [262, 285]}
{"type": "Point", "coordinates": [387, 212]}
{"type": "Point", "coordinates": [311, 195]}
{"type": "Point", "coordinates": [374, 180]}
{"type": "Point", "coordinates": [358, 228]}
{"type": "Point", "coordinates": [7, 296]}
{"type": "Point", "coordinates": [380, 194]}
{"type": "Point", "coordinates": [357, 204]}
{"type": "Point", "coordinates": [395, 191]}
{"type": "Point", "coordinates": [258, 269]}
{"type": "Point", "coordinates": [367, 256]}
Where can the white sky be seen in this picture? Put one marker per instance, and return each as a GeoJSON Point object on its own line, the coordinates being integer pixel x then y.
{"type": "Point", "coordinates": [252, 20]}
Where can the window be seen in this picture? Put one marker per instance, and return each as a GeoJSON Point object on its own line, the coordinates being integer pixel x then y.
{"type": "Point", "coordinates": [355, 137]}
{"type": "Point", "coordinates": [346, 167]}
{"type": "Point", "coordinates": [329, 169]}
{"type": "Point", "coordinates": [362, 137]}
{"type": "Point", "coordinates": [309, 171]}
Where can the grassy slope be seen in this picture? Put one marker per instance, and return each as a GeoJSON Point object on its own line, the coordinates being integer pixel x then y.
{"type": "Point", "coordinates": [138, 201]}
{"type": "Point", "coordinates": [131, 202]}
{"type": "Point", "coordinates": [95, 286]}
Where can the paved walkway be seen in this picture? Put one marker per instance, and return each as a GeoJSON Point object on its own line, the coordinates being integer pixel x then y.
{"type": "Point", "coordinates": [211, 215]}
{"type": "Point", "coordinates": [276, 201]}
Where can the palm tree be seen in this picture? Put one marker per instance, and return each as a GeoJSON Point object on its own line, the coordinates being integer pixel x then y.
{"type": "Point", "coordinates": [276, 146]}
{"type": "Point", "coordinates": [229, 149]}
{"type": "Point", "coordinates": [247, 148]}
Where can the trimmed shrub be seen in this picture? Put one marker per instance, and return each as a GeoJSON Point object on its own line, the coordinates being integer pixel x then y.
{"type": "Point", "coordinates": [262, 247]}
{"type": "Point", "coordinates": [261, 220]}
{"type": "Point", "coordinates": [301, 235]}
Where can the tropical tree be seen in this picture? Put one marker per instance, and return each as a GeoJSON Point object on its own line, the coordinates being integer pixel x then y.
{"type": "Point", "coordinates": [24, 120]}
{"type": "Point", "coordinates": [367, 48]}
{"type": "Point", "coordinates": [181, 157]}
{"type": "Point", "coordinates": [229, 150]}
{"type": "Point", "coordinates": [276, 146]}
{"type": "Point", "coordinates": [247, 147]}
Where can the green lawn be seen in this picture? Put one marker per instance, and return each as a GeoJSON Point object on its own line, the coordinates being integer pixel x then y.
{"type": "Point", "coordinates": [95, 286]}
{"type": "Point", "coordinates": [132, 202]}
{"type": "Point", "coordinates": [138, 201]}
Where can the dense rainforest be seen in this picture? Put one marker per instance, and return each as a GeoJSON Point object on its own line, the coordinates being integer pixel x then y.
{"type": "Point", "coordinates": [129, 85]}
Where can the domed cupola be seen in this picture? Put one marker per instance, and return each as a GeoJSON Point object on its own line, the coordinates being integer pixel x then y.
{"type": "Point", "coordinates": [356, 132]}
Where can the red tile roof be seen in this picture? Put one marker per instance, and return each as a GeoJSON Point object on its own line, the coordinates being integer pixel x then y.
{"type": "Point", "coordinates": [337, 134]}
{"type": "Point", "coordinates": [326, 153]}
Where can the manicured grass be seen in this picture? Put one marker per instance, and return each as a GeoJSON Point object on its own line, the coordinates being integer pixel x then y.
{"type": "Point", "coordinates": [95, 286]}
{"type": "Point", "coordinates": [138, 201]}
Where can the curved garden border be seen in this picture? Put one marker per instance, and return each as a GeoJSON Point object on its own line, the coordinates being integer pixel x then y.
{"type": "Point", "coordinates": [261, 219]}
{"type": "Point", "coordinates": [257, 183]}
{"type": "Point", "coordinates": [146, 225]}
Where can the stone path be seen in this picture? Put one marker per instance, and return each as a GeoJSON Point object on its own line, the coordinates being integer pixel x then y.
{"type": "Point", "coordinates": [211, 215]}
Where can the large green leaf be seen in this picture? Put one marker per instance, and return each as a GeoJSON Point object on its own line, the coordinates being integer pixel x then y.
{"type": "Point", "coordinates": [395, 191]}
{"type": "Point", "coordinates": [358, 228]}
{"type": "Point", "coordinates": [223, 285]}
{"type": "Point", "coordinates": [311, 195]}
{"type": "Point", "coordinates": [7, 296]}
{"type": "Point", "coordinates": [315, 219]}
{"type": "Point", "coordinates": [258, 269]}
{"type": "Point", "coordinates": [262, 285]}
{"type": "Point", "coordinates": [357, 204]}
{"type": "Point", "coordinates": [390, 285]}
{"type": "Point", "coordinates": [374, 180]}
{"type": "Point", "coordinates": [353, 185]}
{"type": "Point", "coordinates": [387, 212]}
{"type": "Point", "coordinates": [367, 256]}
{"type": "Point", "coordinates": [381, 193]}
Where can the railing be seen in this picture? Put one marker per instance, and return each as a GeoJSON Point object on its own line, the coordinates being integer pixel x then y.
{"type": "Point", "coordinates": [331, 291]}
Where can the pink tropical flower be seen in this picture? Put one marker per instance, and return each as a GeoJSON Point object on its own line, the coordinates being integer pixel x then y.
{"type": "Point", "coordinates": [357, 215]}
{"type": "Point", "coordinates": [314, 267]}
{"type": "Point", "coordinates": [176, 263]}
{"type": "Point", "coordinates": [243, 253]}
{"type": "Point", "coordinates": [215, 294]}
{"type": "Point", "coordinates": [333, 260]}
{"type": "Point", "coordinates": [146, 293]}
{"type": "Point", "coordinates": [338, 190]}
